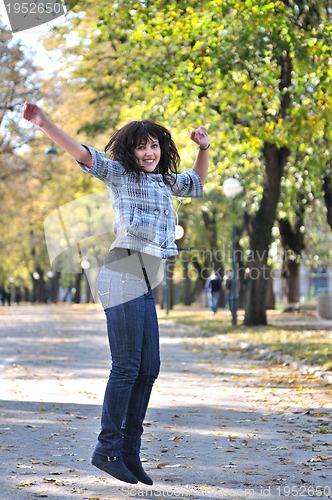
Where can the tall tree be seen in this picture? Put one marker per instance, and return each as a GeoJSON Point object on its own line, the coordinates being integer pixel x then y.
{"type": "Point", "coordinates": [17, 83]}
{"type": "Point", "coordinates": [256, 71]}
{"type": "Point", "coordinates": [327, 189]}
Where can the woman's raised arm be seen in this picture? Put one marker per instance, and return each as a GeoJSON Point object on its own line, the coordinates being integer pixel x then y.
{"type": "Point", "coordinates": [34, 114]}
{"type": "Point", "coordinates": [201, 165]}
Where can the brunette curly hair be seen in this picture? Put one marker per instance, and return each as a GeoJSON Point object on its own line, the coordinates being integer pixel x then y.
{"type": "Point", "coordinates": [122, 144]}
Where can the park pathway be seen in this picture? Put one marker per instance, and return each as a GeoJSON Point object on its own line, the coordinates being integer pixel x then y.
{"type": "Point", "coordinates": [222, 424]}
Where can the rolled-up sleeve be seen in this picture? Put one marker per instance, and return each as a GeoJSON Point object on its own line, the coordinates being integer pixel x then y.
{"type": "Point", "coordinates": [102, 167]}
{"type": "Point", "coordinates": [188, 184]}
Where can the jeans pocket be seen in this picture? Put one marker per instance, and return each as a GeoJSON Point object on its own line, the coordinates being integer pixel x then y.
{"type": "Point", "coordinates": [133, 287]}
{"type": "Point", "coordinates": [104, 292]}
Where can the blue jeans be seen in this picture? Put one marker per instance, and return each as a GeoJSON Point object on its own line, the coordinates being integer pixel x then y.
{"type": "Point", "coordinates": [214, 301]}
{"type": "Point", "coordinates": [134, 342]}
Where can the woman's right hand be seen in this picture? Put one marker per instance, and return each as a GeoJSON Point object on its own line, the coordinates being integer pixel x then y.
{"type": "Point", "coordinates": [34, 114]}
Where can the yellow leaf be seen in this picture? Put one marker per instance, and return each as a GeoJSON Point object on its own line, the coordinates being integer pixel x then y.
{"type": "Point", "coordinates": [26, 482]}
{"type": "Point", "coordinates": [177, 439]}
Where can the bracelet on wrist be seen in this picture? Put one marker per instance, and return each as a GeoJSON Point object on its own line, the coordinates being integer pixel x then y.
{"type": "Point", "coordinates": [204, 149]}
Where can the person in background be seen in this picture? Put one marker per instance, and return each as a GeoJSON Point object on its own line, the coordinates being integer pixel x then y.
{"type": "Point", "coordinates": [213, 286]}
{"type": "Point", "coordinates": [6, 295]}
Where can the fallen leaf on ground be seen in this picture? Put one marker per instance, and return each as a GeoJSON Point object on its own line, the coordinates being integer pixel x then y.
{"type": "Point", "coordinates": [162, 464]}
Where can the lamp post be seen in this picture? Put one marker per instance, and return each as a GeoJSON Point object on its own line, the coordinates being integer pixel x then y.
{"type": "Point", "coordinates": [231, 188]}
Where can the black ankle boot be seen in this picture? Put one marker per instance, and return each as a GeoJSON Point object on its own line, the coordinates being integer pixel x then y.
{"type": "Point", "coordinates": [133, 463]}
{"type": "Point", "coordinates": [113, 466]}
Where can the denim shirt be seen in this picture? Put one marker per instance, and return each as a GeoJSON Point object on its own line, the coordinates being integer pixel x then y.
{"type": "Point", "coordinates": [144, 218]}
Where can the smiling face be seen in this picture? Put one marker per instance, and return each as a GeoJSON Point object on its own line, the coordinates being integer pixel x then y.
{"type": "Point", "coordinates": [143, 145]}
{"type": "Point", "coordinates": [148, 154]}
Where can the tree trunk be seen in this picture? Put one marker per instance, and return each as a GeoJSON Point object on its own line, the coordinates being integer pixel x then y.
{"type": "Point", "coordinates": [168, 284]}
{"type": "Point", "coordinates": [38, 286]}
{"type": "Point", "coordinates": [200, 282]}
{"type": "Point", "coordinates": [327, 188]}
{"type": "Point", "coordinates": [255, 308]}
{"type": "Point", "coordinates": [291, 287]}
{"type": "Point", "coordinates": [187, 298]}
{"type": "Point", "coordinates": [292, 239]}
{"type": "Point", "coordinates": [260, 229]}
{"type": "Point", "coordinates": [270, 297]}
{"type": "Point", "coordinates": [77, 295]}
{"type": "Point", "coordinates": [241, 269]}
{"type": "Point", "coordinates": [172, 261]}
{"type": "Point", "coordinates": [54, 287]}
{"type": "Point", "coordinates": [210, 224]}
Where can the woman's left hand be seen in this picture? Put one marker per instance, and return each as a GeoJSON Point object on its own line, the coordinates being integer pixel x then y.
{"type": "Point", "coordinates": [201, 137]}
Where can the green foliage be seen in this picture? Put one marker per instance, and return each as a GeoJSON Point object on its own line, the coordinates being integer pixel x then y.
{"type": "Point", "coordinates": [17, 83]}
{"type": "Point", "coordinates": [255, 72]}
{"type": "Point", "coordinates": [217, 62]}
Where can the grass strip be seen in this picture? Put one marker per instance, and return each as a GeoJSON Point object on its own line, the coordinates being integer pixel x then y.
{"type": "Point", "coordinates": [300, 335]}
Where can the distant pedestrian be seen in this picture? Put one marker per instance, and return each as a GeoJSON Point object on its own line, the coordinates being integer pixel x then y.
{"type": "Point", "coordinates": [141, 175]}
{"type": "Point", "coordinates": [213, 286]}
{"type": "Point", "coordinates": [6, 295]}
{"type": "Point", "coordinates": [18, 295]}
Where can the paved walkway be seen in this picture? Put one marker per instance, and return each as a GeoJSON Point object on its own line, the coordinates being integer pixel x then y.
{"type": "Point", "coordinates": [221, 424]}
